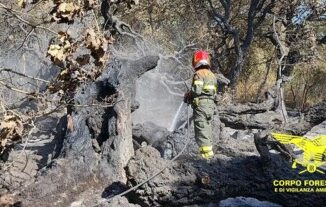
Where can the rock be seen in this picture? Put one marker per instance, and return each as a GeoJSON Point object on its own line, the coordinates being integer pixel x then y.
{"type": "Point", "coordinates": [25, 164]}
{"type": "Point", "coordinates": [229, 174]}
{"type": "Point", "coordinates": [177, 140]}
{"type": "Point", "coordinates": [317, 113]}
{"type": "Point", "coordinates": [319, 129]}
{"type": "Point", "coordinates": [245, 202]}
{"type": "Point", "coordinates": [264, 120]}
{"type": "Point", "coordinates": [120, 201]}
{"type": "Point", "coordinates": [236, 143]}
{"type": "Point", "coordinates": [150, 133]}
{"type": "Point", "coordinates": [149, 157]}
{"type": "Point", "coordinates": [146, 163]}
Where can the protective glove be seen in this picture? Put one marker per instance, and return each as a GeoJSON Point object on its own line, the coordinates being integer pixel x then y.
{"type": "Point", "coordinates": [187, 97]}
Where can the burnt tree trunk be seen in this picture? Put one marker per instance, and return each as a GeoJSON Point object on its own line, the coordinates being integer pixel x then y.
{"type": "Point", "coordinates": [98, 144]}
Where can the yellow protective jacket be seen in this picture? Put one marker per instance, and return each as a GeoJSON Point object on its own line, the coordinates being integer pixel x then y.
{"type": "Point", "coordinates": [204, 84]}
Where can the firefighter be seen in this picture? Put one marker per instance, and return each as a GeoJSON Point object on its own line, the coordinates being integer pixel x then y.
{"type": "Point", "coordinates": [202, 99]}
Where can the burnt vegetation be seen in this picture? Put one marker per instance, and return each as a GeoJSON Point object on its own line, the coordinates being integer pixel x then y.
{"type": "Point", "coordinates": [76, 78]}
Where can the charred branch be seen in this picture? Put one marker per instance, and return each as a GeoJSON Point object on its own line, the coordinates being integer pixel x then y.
{"type": "Point", "coordinates": [21, 19]}
{"type": "Point", "coordinates": [256, 15]}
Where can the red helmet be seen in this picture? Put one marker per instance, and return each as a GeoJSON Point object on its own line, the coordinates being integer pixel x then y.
{"type": "Point", "coordinates": [201, 58]}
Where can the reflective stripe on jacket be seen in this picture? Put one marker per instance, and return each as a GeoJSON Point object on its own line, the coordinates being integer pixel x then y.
{"type": "Point", "coordinates": [204, 84]}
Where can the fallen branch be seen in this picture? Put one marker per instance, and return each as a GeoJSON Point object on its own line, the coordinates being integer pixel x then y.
{"type": "Point", "coordinates": [25, 39]}
{"type": "Point", "coordinates": [22, 74]}
{"type": "Point", "coordinates": [25, 144]}
{"type": "Point", "coordinates": [21, 19]}
{"type": "Point", "coordinates": [16, 89]}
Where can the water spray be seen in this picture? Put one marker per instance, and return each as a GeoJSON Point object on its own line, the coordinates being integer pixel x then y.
{"type": "Point", "coordinates": [176, 117]}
